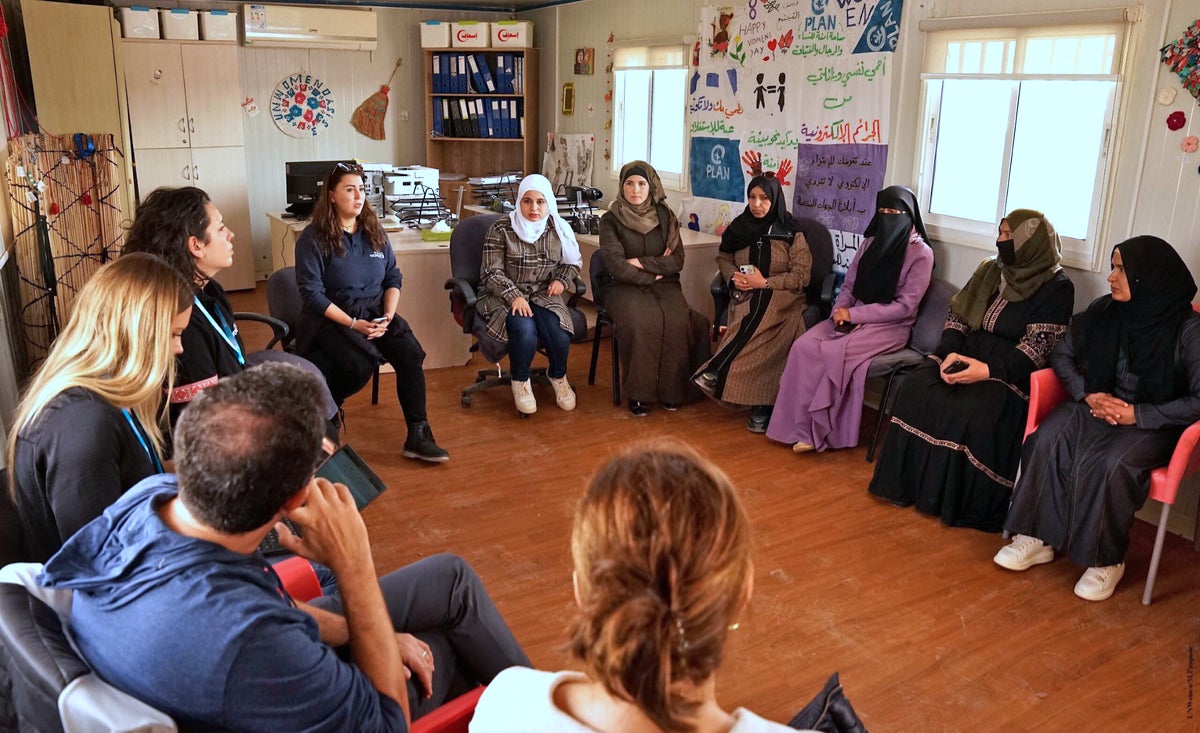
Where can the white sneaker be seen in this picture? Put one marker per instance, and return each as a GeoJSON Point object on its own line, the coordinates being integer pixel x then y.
{"type": "Point", "coordinates": [563, 394]}
{"type": "Point", "coordinates": [1023, 553]}
{"type": "Point", "coordinates": [1098, 584]}
{"type": "Point", "coordinates": [523, 396]}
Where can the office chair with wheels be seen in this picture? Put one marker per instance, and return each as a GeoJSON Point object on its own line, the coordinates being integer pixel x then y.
{"type": "Point", "coordinates": [466, 260]}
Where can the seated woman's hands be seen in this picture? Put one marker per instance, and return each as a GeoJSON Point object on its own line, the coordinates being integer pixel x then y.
{"type": "Point", "coordinates": [1110, 409]}
{"type": "Point", "coordinates": [556, 287]}
{"type": "Point", "coordinates": [753, 281]}
{"type": "Point", "coordinates": [841, 315]}
{"type": "Point", "coordinates": [976, 370]}
{"type": "Point", "coordinates": [372, 329]}
{"type": "Point", "coordinates": [520, 307]}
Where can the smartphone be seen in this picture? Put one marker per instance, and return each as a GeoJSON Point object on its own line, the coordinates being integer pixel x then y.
{"type": "Point", "coordinates": [381, 319]}
{"type": "Point", "coordinates": [955, 367]}
{"type": "Point", "coordinates": [844, 327]}
{"type": "Point", "coordinates": [746, 269]}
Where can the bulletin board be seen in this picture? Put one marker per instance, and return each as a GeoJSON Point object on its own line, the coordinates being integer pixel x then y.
{"type": "Point", "coordinates": [798, 88]}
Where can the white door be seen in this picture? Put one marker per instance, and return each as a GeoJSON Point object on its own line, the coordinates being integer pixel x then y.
{"type": "Point", "coordinates": [158, 115]}
{"type": "Point", "coordinates": [221, 172]}
{"type": "Point", "coordinates": [214, 95]}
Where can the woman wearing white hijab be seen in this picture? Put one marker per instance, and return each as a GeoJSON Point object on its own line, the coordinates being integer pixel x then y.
{"type": "Point", "coordinates": [529, 258]}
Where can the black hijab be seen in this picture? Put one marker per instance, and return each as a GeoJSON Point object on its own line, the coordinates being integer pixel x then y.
{"type": "Point", "coordinates": [879, 268]}
{"type": "Point", "coordinates": [1161, 291]}
{"type": "Point", "coordinates": [746, 229]}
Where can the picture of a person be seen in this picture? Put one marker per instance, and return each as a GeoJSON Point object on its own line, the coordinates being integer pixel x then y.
{"type": "Point", "coordinates": [583, 60]}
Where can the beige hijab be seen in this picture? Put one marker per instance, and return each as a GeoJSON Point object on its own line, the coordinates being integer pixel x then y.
{"type": "Point", "coordinates": [643, 217]}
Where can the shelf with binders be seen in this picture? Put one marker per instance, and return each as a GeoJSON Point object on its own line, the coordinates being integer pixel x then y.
{"type": "Point", "coordinates": [483, 118]}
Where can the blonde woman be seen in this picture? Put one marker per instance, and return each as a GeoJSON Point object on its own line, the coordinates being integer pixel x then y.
{"type": "Point", "coordinates": [89, 425]}
{"type": "Point", "coordinates": [661, 546]}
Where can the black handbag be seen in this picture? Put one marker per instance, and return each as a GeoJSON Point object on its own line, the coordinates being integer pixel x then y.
{"type": "Point", "coordinates": [829, 712]}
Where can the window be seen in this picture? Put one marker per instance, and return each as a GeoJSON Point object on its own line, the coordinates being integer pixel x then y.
{"type": "Point", "coordinates": [649, 105]}
{"type": "Point", "coordinates": [1020, 118]}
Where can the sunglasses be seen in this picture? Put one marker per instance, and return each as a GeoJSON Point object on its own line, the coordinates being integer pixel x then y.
{"type": "Point", "coordinates": [348, 168]}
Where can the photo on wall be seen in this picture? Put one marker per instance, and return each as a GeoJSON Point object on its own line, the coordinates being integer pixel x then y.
{"type": "Point", "coordinates": [585, 61]}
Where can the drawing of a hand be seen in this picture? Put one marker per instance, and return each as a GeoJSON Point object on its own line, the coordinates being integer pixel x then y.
{"type": "Point", "coordinates": [753, 161]}
{"type": "Point", "coordinates": [785, 168]}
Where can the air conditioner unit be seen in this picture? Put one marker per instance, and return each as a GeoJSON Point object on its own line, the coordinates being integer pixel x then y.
{"type": "Point", "coordinates": [286, 26]}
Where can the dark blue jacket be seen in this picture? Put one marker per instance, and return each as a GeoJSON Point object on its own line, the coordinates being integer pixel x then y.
{"type": "Point", "coordinates": [204, 634]}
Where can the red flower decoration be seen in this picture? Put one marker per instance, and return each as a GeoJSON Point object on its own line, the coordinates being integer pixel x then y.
{"type": "Point", "coordinates": [86, 199]}
{"type": "Point", "coordinates": [54, 208]}
{"type": "Point", "coordinates": [1176, 120]}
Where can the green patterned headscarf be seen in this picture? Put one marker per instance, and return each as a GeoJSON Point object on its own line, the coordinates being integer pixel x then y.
{"type": "Point", "coordinates": [1038, 258]}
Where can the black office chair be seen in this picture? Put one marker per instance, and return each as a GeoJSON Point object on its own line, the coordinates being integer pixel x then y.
{"type": "Point", "coordinates": [285, 305]}
{"type": "Point", "coordinates": [895, 365]}
{"type": "Point", "coordinates": [466, 259]}
{"type": "Point", "coordinates": [599, 276]}
{"type": "Point", "coordinates": [38, 664]}
{"type": "Point", "coordinates": [818, 292]}
{"type": "Point", "coordinates": [12, 543]}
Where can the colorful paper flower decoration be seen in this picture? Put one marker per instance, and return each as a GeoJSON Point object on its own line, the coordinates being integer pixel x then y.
{"type": "Point", "coordinates": [1176, 120]}
{"type": "Point", "coordinates": [1190, 144]}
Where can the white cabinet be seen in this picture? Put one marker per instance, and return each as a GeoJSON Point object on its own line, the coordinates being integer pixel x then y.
{"type": "Point", "coordinates": [185, 118]}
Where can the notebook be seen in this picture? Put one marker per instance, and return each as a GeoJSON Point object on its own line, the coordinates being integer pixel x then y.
{"type": "Point", "coordinates": [344, 467]}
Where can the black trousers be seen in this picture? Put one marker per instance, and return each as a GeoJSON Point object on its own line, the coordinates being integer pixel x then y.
{"type": "Point", "coordinates": [441, 601]}
{"type": "Point", "coordinates": [348, 367]}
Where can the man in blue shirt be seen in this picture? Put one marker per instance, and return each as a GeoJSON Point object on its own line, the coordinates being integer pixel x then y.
{"type": "Point", "coordinates": [174, 605]}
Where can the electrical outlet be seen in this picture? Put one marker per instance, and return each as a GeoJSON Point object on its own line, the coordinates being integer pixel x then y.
{"type": "Point", "coordinates": [404, 115]}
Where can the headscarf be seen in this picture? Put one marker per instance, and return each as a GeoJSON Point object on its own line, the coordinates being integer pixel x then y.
{"type": "Point", "coordinates": [1161, 291]}
{"type": "Point", "coordinates": [1037, 260]}
{"type": "Point", "coordinates": [746, 229]}
{"type": "Point", "coordinates": [880, 266]}
{"type": "Point", "coordinates": [531, 231]}
{"type": "Point", "coordinates": [643, 217]}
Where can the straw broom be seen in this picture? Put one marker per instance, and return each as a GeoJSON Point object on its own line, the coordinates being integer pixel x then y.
{"type": "Point", "coordinates": [368, 118]}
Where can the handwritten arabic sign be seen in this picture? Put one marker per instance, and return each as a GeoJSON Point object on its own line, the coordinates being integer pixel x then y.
{"type": "Point", "coordinates": [301, 105]}
{"type": "Point", "coordinates": [787, 82]}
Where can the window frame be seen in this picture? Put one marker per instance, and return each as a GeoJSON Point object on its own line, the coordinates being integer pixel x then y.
{"type": "Point", "coordinates": [653, 55]}
{"type": "Point", "coordinates": [1082, 253]}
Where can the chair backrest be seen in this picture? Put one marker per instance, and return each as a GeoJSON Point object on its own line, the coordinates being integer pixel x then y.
{"type": "Point", "coordinates": [12, 545]}
{"type": "Point", "coordinates": [283, 298]}
{"type": "Point", "coordinates": [466, 247]}
{"type": "Point", "coordinates": [598, 274]}
{"type": "Point", "coordinates": [931, 316]}
{"type": "Point", "coordinates": [451, 717]}
{"type": "Point", "coordinates": [820, 244]}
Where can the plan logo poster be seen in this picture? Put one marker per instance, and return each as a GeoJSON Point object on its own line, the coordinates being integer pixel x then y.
{"type": "Point", "coordinates": [716, 171]}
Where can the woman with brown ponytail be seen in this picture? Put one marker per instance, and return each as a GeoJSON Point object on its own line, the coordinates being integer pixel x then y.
{"type": "Point", "coordinates": [661, 546]}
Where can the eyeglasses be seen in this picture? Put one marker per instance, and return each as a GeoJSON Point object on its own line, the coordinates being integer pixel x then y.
{"type": "Point", "coordinates": [348, 168]}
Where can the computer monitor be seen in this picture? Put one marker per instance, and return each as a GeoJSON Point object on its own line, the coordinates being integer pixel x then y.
{"type": "Point", "coordinates": [304, 179]}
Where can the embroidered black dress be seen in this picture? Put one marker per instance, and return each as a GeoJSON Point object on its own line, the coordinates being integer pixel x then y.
{"type": "Point", "coordinates": [953, 450]}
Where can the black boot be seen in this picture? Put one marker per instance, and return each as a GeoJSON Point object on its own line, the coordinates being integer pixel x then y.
{"type": "Point", "coordinates": [421, 445]}
{"type": "Point", "coordinates": [760, 415]}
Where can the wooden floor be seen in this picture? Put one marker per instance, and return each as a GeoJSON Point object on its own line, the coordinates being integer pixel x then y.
{"type": "Point", "coordinates": [927, 633]}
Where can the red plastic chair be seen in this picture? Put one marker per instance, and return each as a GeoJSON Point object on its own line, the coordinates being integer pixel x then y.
{"type": "Point", "coordinates": [1046, 393]}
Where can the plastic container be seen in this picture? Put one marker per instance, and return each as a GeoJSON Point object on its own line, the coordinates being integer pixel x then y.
{"type": "Point", "coordinates": [138, 22]}
{"type": "Point", "coordinates": [218, 25]}
{"type": "Point", "coordinates": [469, 34]}
{"type": "Point", "coordinates": [179, 24]}
{"type": "Point", "coordinates": [512, 33]}
{"type": "Point", "coordinates": [435, 34]}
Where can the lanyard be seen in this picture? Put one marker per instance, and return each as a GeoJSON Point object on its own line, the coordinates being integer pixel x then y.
{"type": "Point", "coordinates": [137, 430]}
{"type": "Point", "coordinates": [223, 330]}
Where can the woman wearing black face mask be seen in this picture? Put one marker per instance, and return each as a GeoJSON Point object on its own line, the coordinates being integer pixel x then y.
{"type": "Point", "coordinates": [955, 438]}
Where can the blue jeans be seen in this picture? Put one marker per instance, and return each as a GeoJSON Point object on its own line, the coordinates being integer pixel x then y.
{"type": "Point", "coordinates": [523, 335]}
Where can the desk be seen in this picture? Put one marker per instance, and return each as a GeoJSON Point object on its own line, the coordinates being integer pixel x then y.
{"type": "Point", "coordinates": [424, 302]}
{"type": "Point", "coordinates": [699, 265]}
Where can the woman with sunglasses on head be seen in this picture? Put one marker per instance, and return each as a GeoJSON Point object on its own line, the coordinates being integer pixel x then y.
{"type": "Point", "coordinates": [529, 259]}
{"type": "Point", "coordinates": [89, 425]}
{"type": "Point", "coordinates": [350, 287]}
{"type": "Point", "coordinates": [185, 228]}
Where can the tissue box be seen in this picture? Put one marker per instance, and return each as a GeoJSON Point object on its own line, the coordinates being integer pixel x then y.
{"type": "Point", "coordinates": [512, 33]}
{"type": "Point", "coordinates": [435, 34]}
{"type": "Point", "coordinates": [218, 25]}
{"type": "Point", "coordinates": [138, 22]}
{"type": "Point", "coordinates": [179, 24]}
{"type": "Point", "coordinates": [469, 34]}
